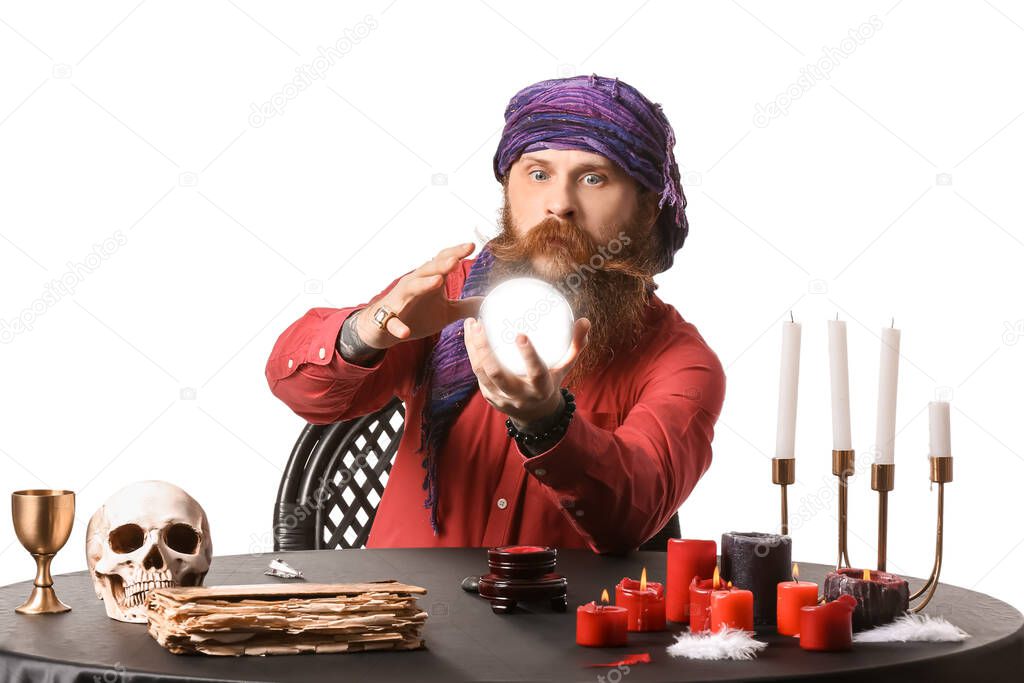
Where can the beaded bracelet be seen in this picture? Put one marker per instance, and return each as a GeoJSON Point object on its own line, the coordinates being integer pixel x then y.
{"type": "Point", "coordinates": [557, 430]}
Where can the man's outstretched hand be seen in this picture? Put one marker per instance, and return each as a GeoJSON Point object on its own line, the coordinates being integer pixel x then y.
{"type": "Point", "coordinates": [420, 302]}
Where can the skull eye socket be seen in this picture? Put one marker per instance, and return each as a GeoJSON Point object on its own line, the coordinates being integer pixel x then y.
{"type": "Point", "coordinates": [181, 538]}
{"type": "Point", "coordinates": [127, 538]}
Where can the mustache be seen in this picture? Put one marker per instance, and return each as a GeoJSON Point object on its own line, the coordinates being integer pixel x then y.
{"type": "Point", "coordinates": [564, 240]}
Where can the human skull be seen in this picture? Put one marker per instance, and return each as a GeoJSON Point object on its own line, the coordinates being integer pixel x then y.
{"type": "Point", "coordinates": [148, 535]}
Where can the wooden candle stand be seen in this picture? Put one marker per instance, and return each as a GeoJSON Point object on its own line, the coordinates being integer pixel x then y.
{"type": "Point", "coordinates": [522, 573]}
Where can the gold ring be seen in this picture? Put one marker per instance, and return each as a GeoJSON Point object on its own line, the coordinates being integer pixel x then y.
{"type": "Point", "coordinates": [382, 315]}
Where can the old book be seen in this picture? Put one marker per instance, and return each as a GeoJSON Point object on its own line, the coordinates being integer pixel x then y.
{"type": "Point", "coordinates": [287, 619]}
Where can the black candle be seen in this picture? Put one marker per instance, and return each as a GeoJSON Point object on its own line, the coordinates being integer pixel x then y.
{"type": "Point", "coordinates": [880, 598]}
{"type": "Point", "coordinates": [758, 562]}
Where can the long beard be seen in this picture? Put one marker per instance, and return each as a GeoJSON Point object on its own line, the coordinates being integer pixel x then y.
{"type": "Point", "coordinates": [609, 284]}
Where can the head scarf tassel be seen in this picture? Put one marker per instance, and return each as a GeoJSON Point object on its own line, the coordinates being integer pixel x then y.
{"type": "Point", "coordinates": [453, 382]}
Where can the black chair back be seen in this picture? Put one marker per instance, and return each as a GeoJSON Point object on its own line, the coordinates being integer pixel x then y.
{"type": "Point", "coordinates": [334, 480]}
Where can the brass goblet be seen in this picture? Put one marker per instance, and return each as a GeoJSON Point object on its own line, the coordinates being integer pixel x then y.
{"type": "Point", "coordinates": [42, 520]}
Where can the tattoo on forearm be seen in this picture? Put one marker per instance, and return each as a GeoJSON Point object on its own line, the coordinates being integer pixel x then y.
{"type": "Point", "coordinates": [352, 347]}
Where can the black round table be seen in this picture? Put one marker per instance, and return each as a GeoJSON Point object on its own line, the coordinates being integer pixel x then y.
{"type": "Point", "coordinates": [466, 641]}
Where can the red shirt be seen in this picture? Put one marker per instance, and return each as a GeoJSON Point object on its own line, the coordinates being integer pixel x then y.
{"type": "Point", "coordinates": [637, 445]}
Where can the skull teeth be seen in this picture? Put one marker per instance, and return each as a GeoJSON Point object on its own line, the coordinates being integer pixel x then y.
{"type": "Point", "coordinates": [135, 593]}
{"type": "Point", "coordinates": [143, 586]}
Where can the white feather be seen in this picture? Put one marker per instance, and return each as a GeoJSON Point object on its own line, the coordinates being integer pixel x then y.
{"type": "Point", "coordinates": [914, 627]}
{"type": "Point", "coordinates": [729, 643]}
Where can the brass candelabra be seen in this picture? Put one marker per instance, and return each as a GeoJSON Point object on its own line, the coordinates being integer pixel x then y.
{"type": "Point", "coordinates": [882, 481]}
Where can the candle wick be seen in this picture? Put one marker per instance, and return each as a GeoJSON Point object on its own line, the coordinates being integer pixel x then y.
{"type": "Point", "coordinates": [791, 316]}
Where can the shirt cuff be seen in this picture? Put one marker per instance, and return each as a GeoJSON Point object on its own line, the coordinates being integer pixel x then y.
{"type": "Point", "coordinates": [318, 349]}
{"type": "Point", "coordinates": [560, 465]}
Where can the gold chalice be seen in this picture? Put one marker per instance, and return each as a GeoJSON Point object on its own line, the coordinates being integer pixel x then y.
{"type": "Point", "coordinates": [42, 520]}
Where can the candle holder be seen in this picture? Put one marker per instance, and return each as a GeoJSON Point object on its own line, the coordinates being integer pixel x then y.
{"type": "Point", "coordinates": [843, 462]}
{"type": "Point", "coordinates": [522, 573]}
{"type": "Point", "coordinates": [941, 473]}
{"type": "Point", "coordinates": [784, 474]}
{"type": "Point", "coordinates": [882, 480]}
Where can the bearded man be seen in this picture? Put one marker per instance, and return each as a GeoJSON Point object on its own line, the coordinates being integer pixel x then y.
{"type": "Point", "coordinates": [599, 451]}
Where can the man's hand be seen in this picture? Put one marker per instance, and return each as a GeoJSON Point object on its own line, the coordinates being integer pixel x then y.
{"type": "Point", "coordinates": [525, 399]}
{"type": "Point", "coordinates": [420, 302]}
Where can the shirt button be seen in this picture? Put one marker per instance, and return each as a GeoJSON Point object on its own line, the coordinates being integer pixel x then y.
{"type": "Point", "coordinates": [579, 513]}
{"type": "Point", "coordinates": [502, 503]}
{"type": "Point", "coordinates": [290, 363]}
{"type": "Point", "coordinates": [540, 471]}
{"type": "Point", "coordinates": [323, 353]}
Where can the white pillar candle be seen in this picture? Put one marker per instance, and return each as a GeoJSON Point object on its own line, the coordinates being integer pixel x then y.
{"type": "Point", "coordinates": [938, 429]}
{"type": "Point", "coordinates": [789, 375]}
{"type": "Point", "coordinates": [888, 365]}
{"type": "Point", "coordinates": [840, 374]}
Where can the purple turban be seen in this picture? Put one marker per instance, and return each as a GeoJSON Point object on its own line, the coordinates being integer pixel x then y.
{"type": "Point", "coordinates": [608, 117]}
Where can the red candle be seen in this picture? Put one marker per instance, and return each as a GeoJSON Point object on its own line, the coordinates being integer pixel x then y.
{"type": "Point", "coordinates": [601, 625]}
{"type": "Point", "coordinates": [733, 608]}
{"type": "Point", "coordinates": [790, 597]}
{"type": "Point", "coordinates": [700, 601]}
{"type": "Point", "coordinates": [700, 604]}
{"type": "Point", "coordinates": [829, 627]}
{"type": "Point", "coordinates": [645, 601]}
{"type": "Point", "coordinates": [686, 558]}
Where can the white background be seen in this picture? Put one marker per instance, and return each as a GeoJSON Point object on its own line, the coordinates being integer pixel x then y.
{"type": "Point", "coordinates": [889, 189]}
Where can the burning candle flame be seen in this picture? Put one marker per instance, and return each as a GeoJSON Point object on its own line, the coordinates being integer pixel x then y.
{"type": "Point", "coordinates": [716, 581]}
{"type": "Point", "coordinates": [643, 579]}
{"type": "Point", "coordinates": [796, 572]}
{"type": "Point", "coordinates": [728, 584]}
{"type": "Point", "coordinates": [604, 597]}
{"type": "Point", "coordinates": [867, 574]}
